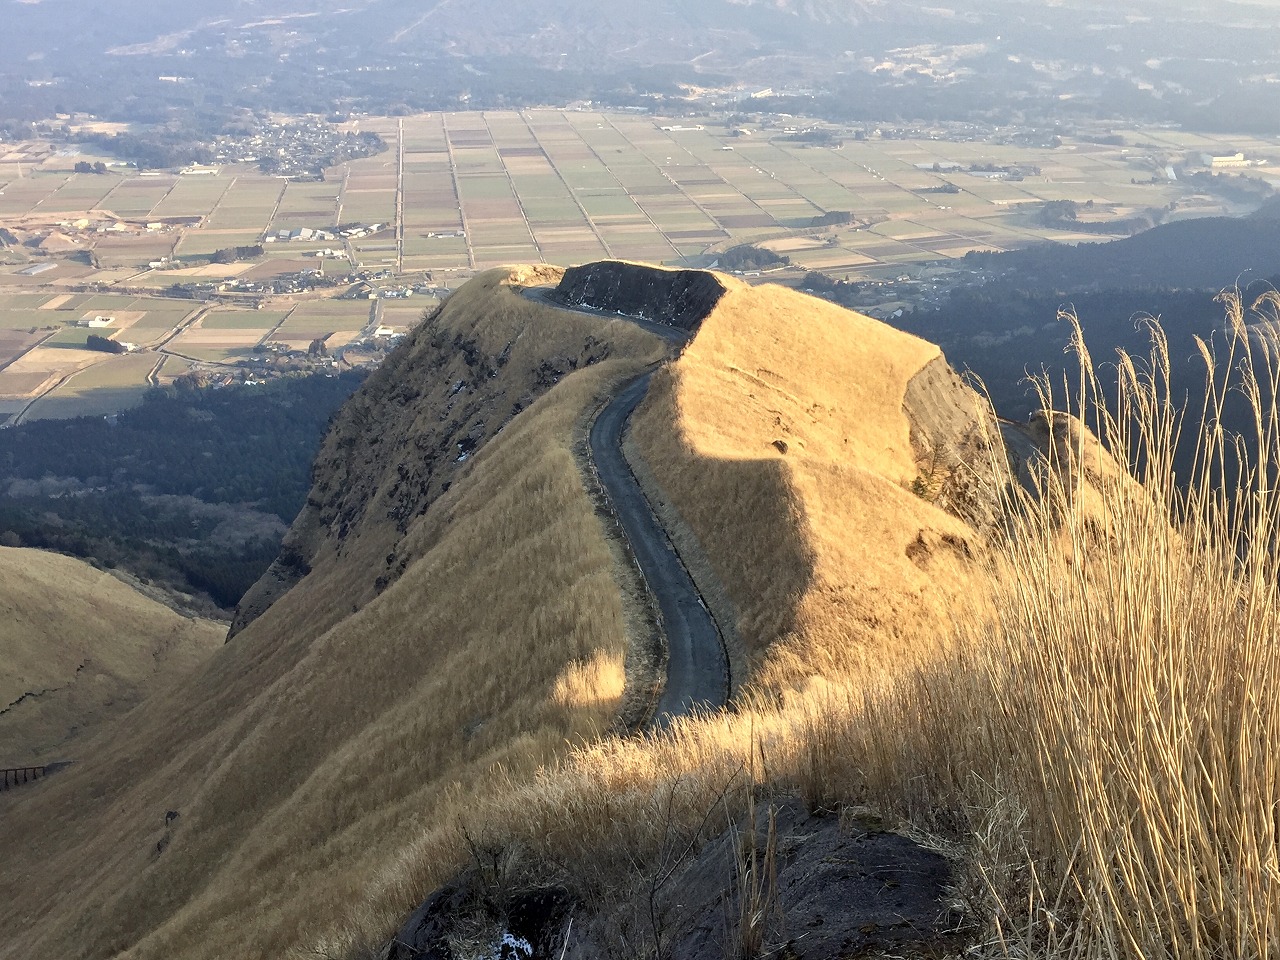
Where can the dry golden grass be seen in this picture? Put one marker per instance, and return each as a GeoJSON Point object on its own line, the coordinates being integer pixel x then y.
{"type": "Point", "coordinates": [1107, 739]}
{"type": "Point", "coordinates": [1095, 741]}
{"type": "Point", "coordinates": [392, 450]}
{"type": "Point", "coordinates": [1084, 710]}
{"type": "Point", "coordinates": [87, 645]}
{"type": "Point", "coordinates": [830, 570]}
{"type": "Point", "coordinates": [830, 564]}
{"type": "Point", "coordinates": [317, 743]}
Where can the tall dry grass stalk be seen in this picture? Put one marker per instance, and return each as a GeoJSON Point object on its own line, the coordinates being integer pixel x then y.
{"type": "Point", "coordinates": [1108, 734]}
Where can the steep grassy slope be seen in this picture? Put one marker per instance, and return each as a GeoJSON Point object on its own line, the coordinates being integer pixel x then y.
{"type": "Point", "coordinates": [78, 647]}
{"type": "Point", "coordinates": [398, 701]}
{"type": "Point", "coordinates": [800, 454]}
{"type": "Point", "coordinates": [406, 438]}
{"type": "Point", "coordinates": [1093, 738]}
{"type": "Point", "coordinates": [447, 618]}
{"type": "Point", "coordinates": [803, 466]}
{"type": "Point", "coordinates": [456, 613]}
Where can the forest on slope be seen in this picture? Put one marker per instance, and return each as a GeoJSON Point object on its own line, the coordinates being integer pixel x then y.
{"type": "Point", "coordinates": [192, 489]}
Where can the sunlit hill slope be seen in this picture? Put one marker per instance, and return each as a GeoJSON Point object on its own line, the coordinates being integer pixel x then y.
{"type": "Point", "coordinates": [428, 683]}
{"type": "Point", "coordinates": [77, 648]}
{"type": "Point", "coordinates": [459, 612]}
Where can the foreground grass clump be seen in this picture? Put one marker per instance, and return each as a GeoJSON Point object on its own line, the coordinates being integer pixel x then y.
{"type": "Point", "coordinates": [1155, 674]}
{"type": "Point", "coordinates": [1107, 734]}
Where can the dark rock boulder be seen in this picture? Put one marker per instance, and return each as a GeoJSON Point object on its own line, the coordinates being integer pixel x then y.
{"type": "Point", "coordinates": [518, 925]}
{"type": "Point", "coordinates": [792, 884]}
{"type": "Point", "coordinates": [826, 887]}
{"type": "Point", "coordinates": [681, 298]}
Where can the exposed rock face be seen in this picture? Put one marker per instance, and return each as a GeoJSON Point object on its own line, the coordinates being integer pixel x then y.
{"type": "Point", "coordinates": [681, 298]}
{"type": "Point", "coordinates": [952, 432]}
{"type": "Point", "coordinates": [830, 887]}
{"type": "Point", "coordinates": [291, 564]}
{"type": "Point", "coordinates": [460, 911]}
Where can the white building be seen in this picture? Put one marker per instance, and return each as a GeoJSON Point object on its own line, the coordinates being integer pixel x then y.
{"type": "Point", "coordinates": [1219, 161]}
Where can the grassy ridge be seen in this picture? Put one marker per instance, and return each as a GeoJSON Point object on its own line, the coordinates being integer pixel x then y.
{"type": "Point", "coordinates": [1081, 709]}
{"type": "Point", "coordinates": [1090, 732]}
{"type": "Point", "coordinates": [812, 544]}
{"type": "Point", "coordinates": [1109, 726]}
{"type": "Point", "coordinates": [316, 743]}
{"type": "Point", "coordinates": [810, 556]}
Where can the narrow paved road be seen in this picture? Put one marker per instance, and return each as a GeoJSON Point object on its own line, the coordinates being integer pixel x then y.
{"type": "Point", "coordinates": [697, 672]}
{"type": "Point", "coordinates": [697, 669]}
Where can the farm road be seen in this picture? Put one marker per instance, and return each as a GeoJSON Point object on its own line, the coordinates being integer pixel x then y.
{"type": "Point", "coordinates": [697, 668]}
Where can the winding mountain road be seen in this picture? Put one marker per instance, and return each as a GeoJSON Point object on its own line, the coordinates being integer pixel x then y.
{"type": "Point", "coordinates": [697, 668]}
{"type": "Point", "coordinates": [697, 671]}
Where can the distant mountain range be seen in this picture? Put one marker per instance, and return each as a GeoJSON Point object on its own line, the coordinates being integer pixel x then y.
{"type": "Point", "coordinates": [644, 32]}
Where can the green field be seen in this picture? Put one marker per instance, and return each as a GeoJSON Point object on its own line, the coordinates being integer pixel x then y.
{"type": "Point", "coordinates": [200, 242]}
{"type": "Point", "coordinates": [27, 319]}
{"type": "Point", "coordinates": [22, 195]}
{"type": "Point", "coordinates": [192, 196]}
{"type": "Point", "coordinates": [138, 196]}
{"type": "Point", "coordinates": [224, 319]}
{"type": "Point", "coordinates": [12, 301]}
{"type": "Point", "coordinates": [216, 354]}
{"type": "Point", "coordinates": [80, 192]}
{"type": "Point", "coordinates": [332, 310]}
{"type": "Point", "coordinates": [315, 318]}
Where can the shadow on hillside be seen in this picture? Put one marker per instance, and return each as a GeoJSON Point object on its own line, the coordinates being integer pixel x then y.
{"type": "Point", "coordinates": [739, 526]}
{"type": "Point", "coordinates": [97, 402]}
{"type": "Point", "coordinates": [764, 557]}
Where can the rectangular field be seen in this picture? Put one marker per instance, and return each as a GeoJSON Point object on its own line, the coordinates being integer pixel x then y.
{"type": "Point", "coordinates": [103, 388]}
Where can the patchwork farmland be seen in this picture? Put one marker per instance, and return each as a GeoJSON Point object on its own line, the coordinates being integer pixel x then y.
{"type": "Point", "coordinates": [461, 192]}
{"type": "Point", "coordinates": [482, 189]}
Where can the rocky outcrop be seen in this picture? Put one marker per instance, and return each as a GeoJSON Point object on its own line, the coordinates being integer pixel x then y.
{"type": "Point", "coordinates": [292, 564]}
{"type": "Point", "coordinates": [952, 433]}
{"type": "Point", "coordinates": [824, 886]}
{"type": "Point", "coordinates": [681, 298]}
